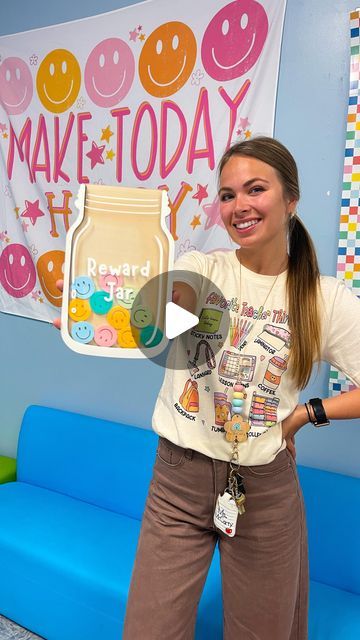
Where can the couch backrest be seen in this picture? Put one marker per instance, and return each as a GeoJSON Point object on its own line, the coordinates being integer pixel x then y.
{"type": "Point", "coordinates": [332, 503]}
{"type": "Point", "coordinates": [105, 463]}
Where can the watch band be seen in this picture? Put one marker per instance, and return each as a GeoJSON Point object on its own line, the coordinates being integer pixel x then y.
{"type": "Point", "coordinates": [321, 419]}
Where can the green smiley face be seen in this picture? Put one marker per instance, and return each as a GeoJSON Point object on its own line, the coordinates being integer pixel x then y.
{"type": "Point", "coordinates": [141, 317]}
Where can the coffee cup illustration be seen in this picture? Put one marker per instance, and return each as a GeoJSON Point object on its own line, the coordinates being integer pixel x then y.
{"type": "Point", "coordinates": [274, 371]}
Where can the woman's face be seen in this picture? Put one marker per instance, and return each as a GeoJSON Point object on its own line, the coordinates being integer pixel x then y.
{"type": "Point", "coordinates": [253, 206]}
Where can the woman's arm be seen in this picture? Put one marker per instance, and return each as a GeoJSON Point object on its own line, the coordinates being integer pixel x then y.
{"type": "Point", "coordinates": [345, 406]}
{"type": "Point", "coordinates": [184, 295]}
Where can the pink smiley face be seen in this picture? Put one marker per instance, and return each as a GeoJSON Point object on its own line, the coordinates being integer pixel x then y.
{"type": "Point", "coordinates": [16, 85]}
{"type": "Point", "coordinates": [17, 271]}
{"type": "Point", "coordinates": [109, 72]}
{"type": "Point", "coordinates": [234, 39]}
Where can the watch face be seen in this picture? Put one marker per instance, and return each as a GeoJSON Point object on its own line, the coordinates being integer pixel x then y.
{"type": "Point", "coordinates": [322, 424]}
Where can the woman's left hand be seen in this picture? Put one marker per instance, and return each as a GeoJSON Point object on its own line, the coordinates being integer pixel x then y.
{"type": "Point", "coordinates": [292, 424]}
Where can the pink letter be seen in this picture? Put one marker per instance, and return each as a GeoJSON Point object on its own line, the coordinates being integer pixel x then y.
{"type": "Point", "coordinates": [233, 105]}
{"type": "Point", "coordinates": [59, 155]}
{"type": "Point", "coordinates": [24, 139]}
{"type": "Point", "coordinates": [202, 111]}
{"type": "Point", "coordinates": [174, 206]}
{"type": "Point", "coordinates": [82, 137]}
{"type": "Point", "coordinates": [41, 138]}
{"type": "Point", "coordinates": [166, 168]}
{"type": "Point", "coordinates": [119, 115]}
{"type": "Point", "coordinates": [144, 175]}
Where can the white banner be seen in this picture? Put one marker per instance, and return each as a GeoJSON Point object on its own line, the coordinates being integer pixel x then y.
{"type": "Point", "coordinates": [149, 95]}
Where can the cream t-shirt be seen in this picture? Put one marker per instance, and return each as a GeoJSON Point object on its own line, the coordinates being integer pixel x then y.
{"type": "Point", "coordinates": [194, 400]}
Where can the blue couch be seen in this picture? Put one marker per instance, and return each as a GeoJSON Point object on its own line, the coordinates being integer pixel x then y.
{"type": "Point", "coordinates": [69, 527]}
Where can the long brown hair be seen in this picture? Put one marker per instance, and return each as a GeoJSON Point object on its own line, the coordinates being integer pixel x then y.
{"type": "Point", "coordinates": [303, 277]}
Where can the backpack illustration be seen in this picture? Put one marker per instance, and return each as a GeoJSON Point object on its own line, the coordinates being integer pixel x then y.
{"type": "Point", "coordinates": [189, 398]}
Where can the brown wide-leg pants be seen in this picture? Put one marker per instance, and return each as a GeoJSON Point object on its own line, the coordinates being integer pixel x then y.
{"type": "Point", "coordinates": [264, 567]}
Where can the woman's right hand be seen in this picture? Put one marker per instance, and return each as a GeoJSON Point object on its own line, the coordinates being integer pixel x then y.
{"type": "Point", "coordinates": [60, 286]}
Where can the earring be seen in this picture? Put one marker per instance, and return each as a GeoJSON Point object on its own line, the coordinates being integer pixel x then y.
{"type": "Point", "coordinates": [293, 214]}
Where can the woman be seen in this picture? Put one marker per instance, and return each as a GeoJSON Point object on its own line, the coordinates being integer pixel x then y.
{"type": "Point", "coordinates": [242, 467]}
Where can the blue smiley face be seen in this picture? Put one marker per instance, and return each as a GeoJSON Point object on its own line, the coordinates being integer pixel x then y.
{"type": "Point", "coordinates": [82, 332]}
{"type": "Point", "coordinates": [101, 303]}
{"type": "Point", "coordinates": [83, 286]}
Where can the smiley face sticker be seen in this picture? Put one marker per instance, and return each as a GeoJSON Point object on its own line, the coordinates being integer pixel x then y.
{"type": "Point", "coordinates": [234, 39]}
{"type": "Point", "coordinates": [167, 59]}
{"type": "Point", "coordinates": [58, 80]}
{"type": "Point", "coordinates": [109, 72]}
{"type": "Point", "coordinates": [17, 271]}
{"type": "Point", "coordinates": [16, 85]}
{"type": "Point", "coordinates": [50, 269]}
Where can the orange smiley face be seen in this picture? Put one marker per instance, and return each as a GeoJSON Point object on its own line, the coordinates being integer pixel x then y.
{"type": "Point", "coordinates": [50, 269]}
{"type": "Point", "coordinates": [58, 80]}
{"type": "Point", "coordinates": [167, 59]}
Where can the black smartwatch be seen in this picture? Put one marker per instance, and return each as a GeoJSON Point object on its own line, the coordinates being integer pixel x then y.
{"type": "Point", "coordinates": [321, 419]}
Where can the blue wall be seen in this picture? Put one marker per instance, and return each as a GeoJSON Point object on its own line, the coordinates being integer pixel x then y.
{"type": "Point", "coordinates": [310, 119]}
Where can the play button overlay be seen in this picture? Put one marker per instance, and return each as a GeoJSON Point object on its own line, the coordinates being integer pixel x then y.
{"type": "Point", "coordinates": [171, 336]}
{"type": "Point", "coordinates": [178, 320]}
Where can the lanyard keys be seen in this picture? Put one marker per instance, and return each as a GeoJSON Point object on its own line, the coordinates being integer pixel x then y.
{"type": "Point", "coordinates": [237, 490]}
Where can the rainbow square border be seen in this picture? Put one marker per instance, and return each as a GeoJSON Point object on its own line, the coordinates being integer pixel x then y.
{"type": "Point", "coordinates": [348, 260]}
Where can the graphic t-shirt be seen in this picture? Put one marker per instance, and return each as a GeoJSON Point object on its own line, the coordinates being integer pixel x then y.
{"type": "Point", "coordinates": [195, 399]}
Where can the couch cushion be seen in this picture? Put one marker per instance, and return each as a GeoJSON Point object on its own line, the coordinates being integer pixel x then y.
{"type": "Point", "coordinates": [63, 549]}
{"type": "Point", "coordinates": [333, 515]}
{"type": "Point", "coordinates": [67, 564]}
{"type": "Point", "coordinates": [87, 458]}
{"type": "Point", "coordinates": [334, 614]}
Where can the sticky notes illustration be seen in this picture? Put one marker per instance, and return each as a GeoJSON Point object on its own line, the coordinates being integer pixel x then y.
{"type": "Point", "coordinates": [209, 321]}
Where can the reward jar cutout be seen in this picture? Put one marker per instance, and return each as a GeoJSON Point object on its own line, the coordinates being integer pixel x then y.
{"type": "Point", "coordinates": [118, 244]}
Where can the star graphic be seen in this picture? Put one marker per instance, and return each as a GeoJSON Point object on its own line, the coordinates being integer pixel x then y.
{"type": "Point", "coordinates": [140, 27]}
{"type": "Point", "coordinates": [133, 35]}
{"type": "Point", "coordinates": [238, 132]}
{"type": "Point", "coordinates": [201, 193]}
{"type": "Point", "coordinates": [5, 135]}
{"type": "Point", "coordinates": [33, 59]}
{"type": "Point", "coordinates": [17, 209]}
{"type": "Point", "coordinates": [95, 154]}
{"type": "Point", "coordinates": [32, 211]}
{"type": "Point", "coordinates": [244, 123]}
{"type": "Point", "coordinates": [3, 127]}
{"type": "Point", "coordinates": [35, 295]}
{"type": "Point", "coordinates": [247, 134]}
{"type": "Point", "coordinates": [212, 212]}
{"type": "Point", "coordinates": [106, 134]}
{"type": "Point", "coordinates": [142, 37]}
{"type": "Point", "coordinates": [3, 236]}
{"type": "Point", "coordinates": [195, 222]}
{"type": "Point", "coordinates": [110, 155]}
{"type": "Point", "coordinates": [24, 225]}
{"type": "Point", "coordinates": [80, 103]}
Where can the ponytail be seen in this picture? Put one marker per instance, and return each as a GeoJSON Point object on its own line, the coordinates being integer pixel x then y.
{"type": "Point", "coordinates": [303, 280]}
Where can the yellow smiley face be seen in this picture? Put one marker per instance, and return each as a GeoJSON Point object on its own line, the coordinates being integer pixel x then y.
{"type": "Point", "coordinates": [118, 317]}
{"type": "Point", "coordinates": [79, 310]}
{"type": "Point", "coordinates": [167, 59]}
{"type": "Point", "coordinates": [58, 80]}
{"type": "Point", "coordinates": [128, 338]}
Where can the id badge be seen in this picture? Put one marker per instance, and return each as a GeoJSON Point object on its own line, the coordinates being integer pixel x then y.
{"type": "Point", "coordinates": [226, 514]}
